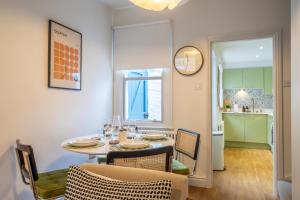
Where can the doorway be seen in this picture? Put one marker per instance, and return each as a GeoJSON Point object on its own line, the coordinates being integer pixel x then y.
{"type": "Point", "coordinates": [245, 101]}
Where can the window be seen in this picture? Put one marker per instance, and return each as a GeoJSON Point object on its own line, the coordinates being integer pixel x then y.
{"type": "Point", "coordinates": [143, 95]}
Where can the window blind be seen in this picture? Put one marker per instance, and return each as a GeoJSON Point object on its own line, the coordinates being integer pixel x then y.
{"type": "Point", "coordinates": [143, 46]}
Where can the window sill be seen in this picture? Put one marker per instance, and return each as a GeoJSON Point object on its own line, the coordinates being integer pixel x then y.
{"type": "Point", "coordinates": [152, 124]}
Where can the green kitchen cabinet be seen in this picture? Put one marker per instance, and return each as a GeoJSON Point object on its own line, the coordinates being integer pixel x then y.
{"type": "Point", "coordinates": [257, 78]}
{"type": "Point", "coordinates": [233, 78]}
{"type": "Point", "coordinates": [247, 129]}
{"type": "Point", "coordinates": [234, 127]}
{"type": "Point", "coordinates": [268, 84]}
{"type": "Point", "coordinates": [256, 128]}
{"type": "Point", "coordinates": [253, 78]}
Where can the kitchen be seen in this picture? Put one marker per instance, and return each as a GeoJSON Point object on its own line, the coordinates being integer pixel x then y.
{"type": "Point", "coordinates": [242, 108]}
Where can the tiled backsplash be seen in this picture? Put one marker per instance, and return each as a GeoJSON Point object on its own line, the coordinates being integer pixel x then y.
{"type": "Point", "coordinates": [243, 98]}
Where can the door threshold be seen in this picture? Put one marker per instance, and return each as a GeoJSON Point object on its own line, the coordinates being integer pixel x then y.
{"type": "Point", "coordinates": [247, 145]}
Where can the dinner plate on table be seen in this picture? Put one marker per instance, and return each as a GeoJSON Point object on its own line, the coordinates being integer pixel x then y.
{"type": "Point", "coordinates": [154, 136]}
{"type": "Point", "coordinates": [134, 144]}
{"type": "Point", "coordinates": [84, 142]}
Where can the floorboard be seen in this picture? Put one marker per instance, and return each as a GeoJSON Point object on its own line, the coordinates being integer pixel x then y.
{"type": "Point", "coordinates": [248, 176]}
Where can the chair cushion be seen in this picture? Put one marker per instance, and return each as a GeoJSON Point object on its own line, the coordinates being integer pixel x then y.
{"type": "Point", "coordinates": [52, 184]}
{"type": "Point", "coordinates": [84, 185]}
{"type": "Point", "coordinates": [180, 168]}
{"type": "Point", "coordinates": [102, 159]}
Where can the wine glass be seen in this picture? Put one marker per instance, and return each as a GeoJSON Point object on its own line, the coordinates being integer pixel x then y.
{"type": "Point", "coordinates": [116, 123]}
{"type": "Point", "coordinates": [132, 126]}
{"type": "Point", "coordinates": [126, 125]}
{"type": "Point", "coordinates": [107, 130]}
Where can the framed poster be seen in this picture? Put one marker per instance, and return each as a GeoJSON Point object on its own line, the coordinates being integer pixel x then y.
{"type": "Point", "coordinates": [64, 57]}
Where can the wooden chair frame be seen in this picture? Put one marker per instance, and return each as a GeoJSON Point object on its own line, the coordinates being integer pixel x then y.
{"type": "Point", "coordinates": [168, 150]}
{"type": "Point", "coordinates": [28, 169]}
{"type": "Point", "coordinates": [180, 151]}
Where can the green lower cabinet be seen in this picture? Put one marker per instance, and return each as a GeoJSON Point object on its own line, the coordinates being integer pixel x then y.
{"type": "Point", "coordinates": [256, 129]}
{"type": "Point", "coordinates": [234, 127]}
{"type": "Point", "coordinates": [246, 128]}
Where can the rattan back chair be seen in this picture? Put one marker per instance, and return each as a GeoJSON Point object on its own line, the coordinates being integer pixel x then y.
{"type": "Point", "coordinates": [187, 144]}
{"type": "Point", "coordinates": [155, 159]}
{"type": "Point", "coordinates": [48, 185]}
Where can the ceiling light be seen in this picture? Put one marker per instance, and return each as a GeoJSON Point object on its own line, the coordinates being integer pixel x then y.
{"type": "Point", "coordinates": [242, 94]}
{"type": "Point", "coordinates": [261, 47]}
{"type": "Point", "coordinates": [257, 56]}
{"type": "Point", "coordinates": [157, 5]}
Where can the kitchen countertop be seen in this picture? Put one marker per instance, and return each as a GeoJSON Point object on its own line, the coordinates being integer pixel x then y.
{"type": "Point", "coordinates": [249, 113]}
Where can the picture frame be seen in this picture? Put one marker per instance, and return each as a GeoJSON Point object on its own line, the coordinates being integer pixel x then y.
{"type": "Point", "coordinates": [64, 57]}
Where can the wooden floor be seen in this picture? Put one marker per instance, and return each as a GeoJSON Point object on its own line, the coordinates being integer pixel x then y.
{"type": "Point", "coordinates": [248, 176]}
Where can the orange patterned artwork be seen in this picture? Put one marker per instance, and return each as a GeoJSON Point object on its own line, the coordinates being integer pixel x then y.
{"type": "Point", "coordinates": [64, 57]}
{"type": "Point", "coordinates": [65, 62]}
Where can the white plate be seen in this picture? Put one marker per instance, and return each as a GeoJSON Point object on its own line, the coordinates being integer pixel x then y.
{"type": "Point", "coordinates": [154, 136]}
{"type": "Point", "coordinates": [85, 142]}
{"type": "Point", "coordinates": [134, 144]}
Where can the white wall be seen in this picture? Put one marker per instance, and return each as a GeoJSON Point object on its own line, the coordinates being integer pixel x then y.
{"type": "Point", "coordinates": [295, 24]}
{"type": "Point", "coordinates": [194, 23]}
{"type": "Point", "coordinates": [32, 112]}
{"type": "Point", "coordinates": [214, 90]}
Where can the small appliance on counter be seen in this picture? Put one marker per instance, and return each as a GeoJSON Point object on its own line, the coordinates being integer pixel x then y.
{"type": "Point", "coordinates": [235, 107]}
{"type": "Point", "coordinates": [245, 109]}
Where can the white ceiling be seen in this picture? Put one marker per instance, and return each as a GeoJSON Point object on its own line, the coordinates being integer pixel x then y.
{"type": "Point", "coordinates": [245, 53]}
{"type": "Point", "coordinates": [122, 4]}
{"type": "Point", "coordinates": [117, 4]}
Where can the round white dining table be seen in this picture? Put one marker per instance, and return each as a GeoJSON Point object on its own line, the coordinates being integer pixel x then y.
{"type": "Point", "coordinates": [104, 147]}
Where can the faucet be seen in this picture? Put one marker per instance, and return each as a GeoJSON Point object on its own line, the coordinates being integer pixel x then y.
{"type": "Point", "coordinates": [252, 99]}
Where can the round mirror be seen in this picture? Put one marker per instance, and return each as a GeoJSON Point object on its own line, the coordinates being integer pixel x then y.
{"type": "Point", "coordinates": [188, 60]}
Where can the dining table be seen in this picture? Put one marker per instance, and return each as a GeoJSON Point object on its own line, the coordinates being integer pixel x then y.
{"type": "Point", "coordinates": [104, 147]}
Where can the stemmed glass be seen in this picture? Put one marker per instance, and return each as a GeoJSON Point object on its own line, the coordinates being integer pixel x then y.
{"type": "Point", "coordinates": [132, 129]}
{"type": "Point", "coordinates": [132, 126]}
{"type": "Point", "coordinates": [116, 123]}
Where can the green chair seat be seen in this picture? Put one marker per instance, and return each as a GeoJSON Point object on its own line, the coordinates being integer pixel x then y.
{"type": "Point", "coordinates": [102, 159]}
{"type": "Point", "coordinates": [52, 184]}
{"type": "Point", "coordinates": [180, 168]}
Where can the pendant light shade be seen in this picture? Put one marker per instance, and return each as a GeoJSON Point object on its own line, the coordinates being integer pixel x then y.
{"type": "Point", "coordinates": [156, 5]}
{"type": "Point", "coordinates": [173, 4]}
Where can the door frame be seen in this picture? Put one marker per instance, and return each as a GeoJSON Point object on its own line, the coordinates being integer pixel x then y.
{"type": "Point", "coordinates": [278, 159]}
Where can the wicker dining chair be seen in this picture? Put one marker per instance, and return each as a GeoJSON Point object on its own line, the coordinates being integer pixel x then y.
{"type": "Point", "coordinates": [186, 144]}
{"type": "Point", "coordinates": [156, 159]}
{"type": "Point", "coordinates": [47, 185]}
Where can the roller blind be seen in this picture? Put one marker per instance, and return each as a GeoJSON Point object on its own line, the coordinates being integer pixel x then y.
{"type": "Point", "coordinates": [143, 46]}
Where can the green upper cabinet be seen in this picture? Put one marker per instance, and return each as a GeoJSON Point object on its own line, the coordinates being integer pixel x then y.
{"type": "Point", "coordinates": [233, 78]}
{"type": "Point", "coordinates": [268, 80]}
{"type": "Point", "coordinates": [254, 78]}
{"type": "Point", "coordinates": [256, 128]}
{"type": "Point", "coordinates": [234, 127]}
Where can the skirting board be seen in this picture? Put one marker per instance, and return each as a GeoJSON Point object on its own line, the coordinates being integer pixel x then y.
{"type": "Point", "coordinates": [198, 182]}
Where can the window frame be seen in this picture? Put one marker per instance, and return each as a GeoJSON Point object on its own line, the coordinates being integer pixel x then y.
{"type": "Point", "coordinates": [161, 78]}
